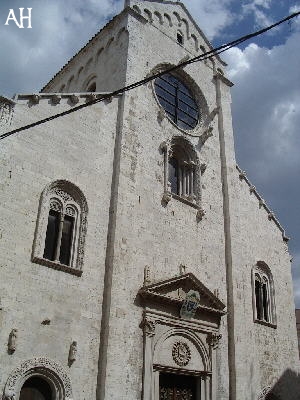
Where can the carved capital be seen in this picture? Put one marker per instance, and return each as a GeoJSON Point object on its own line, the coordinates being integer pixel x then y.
{"type": "Point", "coordinates": [166, 197]}
{"type": "Point", "coordinates": [213, 340]}
{"type": "Point", "coordinates": [148, 327]}
{"type": "Point", "coordinates": [163, 146]}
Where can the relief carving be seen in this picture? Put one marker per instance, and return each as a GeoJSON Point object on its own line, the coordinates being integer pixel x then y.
{"type": "Point", "coordinates": [12, 341]}
{"type": "Point", "coordinates": [213, 340]}
{"type": "Point", "coordinates": [148, 327]}
{"type": "Point", "coordinates": [181, 354]}
{"type": "Point", "coordinates": [72, 353]}
{"type": "Point", "coordinates": [5, 113]}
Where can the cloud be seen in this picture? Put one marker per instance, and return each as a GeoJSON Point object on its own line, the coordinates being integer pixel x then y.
{"type": "Point", "coordinates": [266, 119]}
{"type": "Point", "coordinates": [258, 8]}
{"type": "Point", "coordinates": [59, 29]}
{"type": "Point", "coordinates": [212, 16]}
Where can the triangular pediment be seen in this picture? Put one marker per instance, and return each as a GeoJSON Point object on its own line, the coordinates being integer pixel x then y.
{"type": "Point", "coordinates": [174, 290]}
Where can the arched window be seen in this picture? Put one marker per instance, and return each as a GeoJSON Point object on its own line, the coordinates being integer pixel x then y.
{"type": "Point", "coordinates": [182, 172]}
{"type": "Point", "coordinates": [263, 294]}
{"type": "Point", "coordinates": [61, 228]}
{"type": "Point", "coordinates": [62, 220]}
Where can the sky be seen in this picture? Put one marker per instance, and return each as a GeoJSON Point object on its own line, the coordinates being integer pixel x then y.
{"type": "Point", "coordinates": [265, 71]}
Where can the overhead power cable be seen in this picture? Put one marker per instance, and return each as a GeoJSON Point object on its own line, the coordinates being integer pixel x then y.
{"type": "Point", "coordinates": [202, 57]}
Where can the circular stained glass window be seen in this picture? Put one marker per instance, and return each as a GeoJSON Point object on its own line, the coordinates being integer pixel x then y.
{"type": "Point", "coordinates": [177, 101]}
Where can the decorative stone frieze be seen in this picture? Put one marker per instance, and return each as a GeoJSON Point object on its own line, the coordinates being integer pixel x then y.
{"type": "Point", "coordinates": [42, 367]}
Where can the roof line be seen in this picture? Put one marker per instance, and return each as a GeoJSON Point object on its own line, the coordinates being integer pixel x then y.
{"type": "Point", "coordinates": [262, 203]}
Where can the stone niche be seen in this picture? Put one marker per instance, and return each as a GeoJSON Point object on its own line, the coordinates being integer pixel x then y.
{"type": "Point", "coordinates": [181, 336]}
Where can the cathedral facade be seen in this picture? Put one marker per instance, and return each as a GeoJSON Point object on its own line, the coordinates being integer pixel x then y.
{"type": "Point", "coordinates": [137, 259]}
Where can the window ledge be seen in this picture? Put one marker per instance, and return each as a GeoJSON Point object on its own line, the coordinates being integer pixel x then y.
{"type": "Point", "coordinates": [270, 324]}
{"type": "Point", "coordinates": [185, 200]}
{"type": "Point", "coordinates": [57, 266]}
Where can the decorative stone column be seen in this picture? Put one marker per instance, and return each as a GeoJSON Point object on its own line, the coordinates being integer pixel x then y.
{"type": "Point", "coordinates": [148, 327]}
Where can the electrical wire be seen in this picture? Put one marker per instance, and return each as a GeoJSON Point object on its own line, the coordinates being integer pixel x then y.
{"type": "Point", "coordinates": [202, 57]}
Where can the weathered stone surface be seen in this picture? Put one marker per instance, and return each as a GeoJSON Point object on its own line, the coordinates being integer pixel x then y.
{"type": "Point", "coordinates": [112, 152]}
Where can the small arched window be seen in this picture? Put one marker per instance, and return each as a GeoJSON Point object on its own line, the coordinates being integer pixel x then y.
{"type": "Point", "coordinates": [61, 228]}
{"type": "Point", "coordinates": [263, 294]}
{"type": "Point", "coordinates": [180, 37]}
{"type": "Point", "coordinates": [92, 87]}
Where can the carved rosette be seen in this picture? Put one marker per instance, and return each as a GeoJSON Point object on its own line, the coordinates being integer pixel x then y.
{"type": "Point", "coordinates": [5, 113]}
{"type": "Point", "coordinates": [213, 340]}
{"type": "Point", "coordinates": [181, 353]}
{"type": "Point", "coordinates": [42, 366]}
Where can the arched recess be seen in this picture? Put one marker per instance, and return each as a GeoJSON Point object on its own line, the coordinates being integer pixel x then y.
{"type": "Point", "coordinates": [193, 342]}
{"type": "Point", "coordinates": [89, 84]}
{"type": "Point", "coordinates": [44, 368]}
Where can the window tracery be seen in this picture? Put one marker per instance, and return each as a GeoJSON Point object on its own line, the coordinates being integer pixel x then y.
{"type": "Point", "coordinates": [182, 172]}
{"type": "Point", "coordinates": [263, 294]}
{"type": "Point", "coordinates": [61, 228]}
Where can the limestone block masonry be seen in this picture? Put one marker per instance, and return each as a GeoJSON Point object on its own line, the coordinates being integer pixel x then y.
{"type": "Point", "coordinates": [137, 260]}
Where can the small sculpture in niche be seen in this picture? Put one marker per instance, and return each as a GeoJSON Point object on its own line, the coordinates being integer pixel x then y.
{"type": "Point", "coordinates": [12, 340]}
{"type": "Point", "coordinates": [72, 353]}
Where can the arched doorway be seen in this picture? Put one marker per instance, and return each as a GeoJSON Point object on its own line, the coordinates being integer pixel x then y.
{"type": "Point", "coordinates": [36, 388]}
{"type": "Point", "coordinates": [38, 379]}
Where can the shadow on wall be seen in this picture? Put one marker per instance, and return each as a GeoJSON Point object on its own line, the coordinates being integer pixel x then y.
{"type": "Point", "coordinates": [286, 388]}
